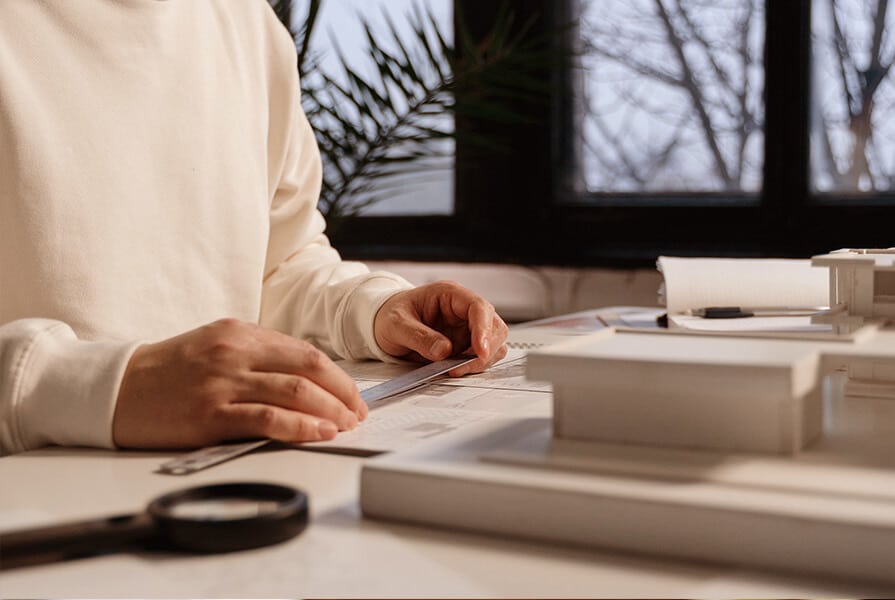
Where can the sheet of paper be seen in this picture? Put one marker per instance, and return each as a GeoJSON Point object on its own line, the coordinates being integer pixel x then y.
{"type": "Point", "coordinates": [553, 330]}
{"type": "Point", "coordinates": [508, 374]}
{"type": "Point", "coordinates": [434, 409]}
{"type": "Point", "coordinates": [779, 324]}
{"type": "Point", "coordinates": [700, 282]}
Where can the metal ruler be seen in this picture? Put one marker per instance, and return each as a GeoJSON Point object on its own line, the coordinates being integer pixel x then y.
{"type": "Point", "coordinates": [414, 378]}
{"type": "Point", "coordinates": [207, 457]}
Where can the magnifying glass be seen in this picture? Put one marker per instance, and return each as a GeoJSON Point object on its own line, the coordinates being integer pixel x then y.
{"type": "Point", "coordinates": [213, 518]}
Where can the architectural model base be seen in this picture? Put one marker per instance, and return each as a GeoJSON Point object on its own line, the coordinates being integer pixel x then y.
{"type": "Point", "coordinates": [829, 511]}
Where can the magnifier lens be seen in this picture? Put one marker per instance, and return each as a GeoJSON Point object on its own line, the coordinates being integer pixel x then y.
{"type": "Point", "coordinates": [223, 509]}
{"type": "Point", "coordinates": [227, 517]}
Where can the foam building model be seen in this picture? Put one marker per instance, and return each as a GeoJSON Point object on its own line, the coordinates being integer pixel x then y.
{"type": "Point", "coordinates": [862, 291]}
{"type": "Point", "coordinates": [751, 448]}
{"type": "Point", "coordinates": [734, 390]}
{"type": "Point", "coordinates": [862, 285]}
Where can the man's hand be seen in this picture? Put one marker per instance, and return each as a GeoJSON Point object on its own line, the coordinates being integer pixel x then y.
{"type": "Point", "coordinates": [231, 380]}
{"type": "Point", "coordinates": [442, 319]}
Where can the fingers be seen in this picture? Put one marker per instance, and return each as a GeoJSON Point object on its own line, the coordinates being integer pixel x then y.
{"type": "Point", "coordinates": [308, 371]}
{"type": "Point", "coordinates": [231, 379]}
{"type": "Point", "coordinates": [485, 329]}
{"type": "Point", "coordinates": [440, 319]}
{"type": "Point", "coordinates": [249, 420]}
{"type": "Point", "coordinates": [482, 318]}
{"type": "Point", "coordinates": [299, 394]}
{"type": "Point", "coordinates": [496, 344]}
{"type": "Point", "coordinates": [418, 337]}
{"type": "Point", "coordinates": [479, 365]}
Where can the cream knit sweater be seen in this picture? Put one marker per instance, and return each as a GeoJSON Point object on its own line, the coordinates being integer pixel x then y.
{"type": "Point", "coordinates": [156, 173]}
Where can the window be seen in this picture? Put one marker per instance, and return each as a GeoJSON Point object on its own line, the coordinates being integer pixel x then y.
{"type": "Point", "coordinates": [671, 97]}
{"type": "Point", "coordinates": [722, 127]}
{"type": "Point", "coordinates": [853, 109]}
{"type": "Point", "coordinates": [340, 43]}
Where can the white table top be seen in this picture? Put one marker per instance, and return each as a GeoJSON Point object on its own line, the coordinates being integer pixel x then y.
{"type": "Point", "coordinates": [340, 554]}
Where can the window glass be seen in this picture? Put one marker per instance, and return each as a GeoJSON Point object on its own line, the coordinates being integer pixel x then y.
{"type": "Point", "coordinates": [415, 187]}
{"type": "Point", "coordinates": [670, 96]}
{"type": "Point", "coordinates": [853, 109]}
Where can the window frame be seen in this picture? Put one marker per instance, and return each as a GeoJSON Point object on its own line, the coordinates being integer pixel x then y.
{"type": "Point", "coordinates": [522, 207]}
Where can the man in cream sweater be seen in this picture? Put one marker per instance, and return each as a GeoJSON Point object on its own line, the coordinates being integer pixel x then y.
{"type": "Point", "coordinates": [164, 276]}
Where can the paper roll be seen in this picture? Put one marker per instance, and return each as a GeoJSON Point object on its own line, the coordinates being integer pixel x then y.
{"type": "Point", "coordinates": [700, 282]}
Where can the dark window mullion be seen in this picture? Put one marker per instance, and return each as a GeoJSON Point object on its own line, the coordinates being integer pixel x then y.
{"type": "Point", "coordinates": [503, 194]}
{"type": "Point", "coordinates": [787, 119]}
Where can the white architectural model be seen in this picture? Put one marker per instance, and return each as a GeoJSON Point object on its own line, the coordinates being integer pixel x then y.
{"type": "Point", "coordinates": [684, 391]}
{"type": "Point", "coordinates": [731, 390]}
{"type": "Point", "coordinates": [731, 446]}
{"type": "Point", "coordinates": [862, 291]}
{"type": "Point", "coordinates": [862, 284]}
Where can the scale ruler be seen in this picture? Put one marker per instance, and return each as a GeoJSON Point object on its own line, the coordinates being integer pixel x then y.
{"type": "Point", "coordinates": [207, 457]}
{"type": "Point", "coordinates": [213, 455]}
{"type": "Point", "coordinates": [410, 380]}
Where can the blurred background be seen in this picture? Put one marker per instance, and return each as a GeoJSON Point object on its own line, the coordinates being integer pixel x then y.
{"type": "Point", "coordinates": [546, 152]}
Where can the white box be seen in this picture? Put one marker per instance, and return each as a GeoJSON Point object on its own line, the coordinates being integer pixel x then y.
{"type": "Point", "coordinates": [684, 390]}
{"type": "Point", "coordinates": [829, 511]}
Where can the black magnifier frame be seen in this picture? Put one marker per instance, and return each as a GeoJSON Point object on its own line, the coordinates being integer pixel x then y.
{"type": "Point", "coordinates": [214, 518]}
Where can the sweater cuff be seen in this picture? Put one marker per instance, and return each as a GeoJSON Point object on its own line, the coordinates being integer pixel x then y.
{"type": "Point", "coordinates": [357, 321]}
{"type": "Point", "coordinates": [68, 389]}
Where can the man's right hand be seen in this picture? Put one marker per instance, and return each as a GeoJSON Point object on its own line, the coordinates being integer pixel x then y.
{"type": "Point", "coordinates": [231, 380]}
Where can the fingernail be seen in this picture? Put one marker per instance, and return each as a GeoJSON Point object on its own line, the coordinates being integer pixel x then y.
{"type": "Point", "coordinates": [486, 346]}
{"type": "Point", "coordinates": [362, 412]}
{"type": "Point", "coordinates": [327, 429]}
{"type": "Point", "coordinates": [350, 420]}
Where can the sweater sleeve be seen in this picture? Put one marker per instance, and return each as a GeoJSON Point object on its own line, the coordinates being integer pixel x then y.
{"type": "Point", "coordinates": [309, 291]}
{"type": "Point", "coordinates": [55, 388]}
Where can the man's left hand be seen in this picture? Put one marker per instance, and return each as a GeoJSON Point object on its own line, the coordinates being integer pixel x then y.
{"type": "Point", "coordinates": [439, 320]}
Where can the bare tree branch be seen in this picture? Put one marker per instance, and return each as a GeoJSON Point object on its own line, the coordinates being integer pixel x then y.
{"type": "Point", "coordinates": [695, 92]}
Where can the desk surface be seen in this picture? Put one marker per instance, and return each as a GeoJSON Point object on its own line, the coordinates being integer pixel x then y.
{"type": "Point", "coordinates": [340, 553]}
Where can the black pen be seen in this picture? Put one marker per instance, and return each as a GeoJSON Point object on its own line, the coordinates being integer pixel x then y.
{"type": "Point", "coordinates": [738, 312]}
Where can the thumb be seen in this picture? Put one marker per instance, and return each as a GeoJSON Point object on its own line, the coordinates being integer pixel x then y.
{"type": "Point", "coordinates": [439, 349]}
{"type": "Point", "coordinates": [425, 341]}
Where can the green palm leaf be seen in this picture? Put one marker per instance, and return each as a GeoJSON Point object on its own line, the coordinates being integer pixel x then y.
{"type": "Point", "coordinates": [372, 129]}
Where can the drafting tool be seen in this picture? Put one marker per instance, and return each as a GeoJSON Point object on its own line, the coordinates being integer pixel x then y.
{"type": "Point", "coordinates": [414, 378]}
{"type": "Point", "coordinates": [212, 518]}
{"type": "Point", "coordinates": [207, 457]}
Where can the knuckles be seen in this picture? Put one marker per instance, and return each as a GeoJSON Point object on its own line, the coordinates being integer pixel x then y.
{"type": "Point", "coordinates": [314, 359]}
{"type": "Point", "coordinates": [300, 387]}
{"type": "Point", "coordinates": [266, 419]}
{"type": "Point", "coordinates": [225, 339]}
{"type": "Point", "coordinates": [229, 327]}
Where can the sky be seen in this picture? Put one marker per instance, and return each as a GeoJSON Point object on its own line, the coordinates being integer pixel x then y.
{"type": "Point", "coordinates": [340, 23]}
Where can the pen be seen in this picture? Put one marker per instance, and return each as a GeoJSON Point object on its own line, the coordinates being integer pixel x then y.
{"type": "Point", "coordinates": [738, 312]}
{"type": "Point", "coordinates": [872, 250]}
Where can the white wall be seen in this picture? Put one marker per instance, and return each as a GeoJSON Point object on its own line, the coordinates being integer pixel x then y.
{"type": "Point", "coordinates": [524, 293]}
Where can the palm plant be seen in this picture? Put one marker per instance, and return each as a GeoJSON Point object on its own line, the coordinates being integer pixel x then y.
{"type": "Point", "coordinates": [372, 130]}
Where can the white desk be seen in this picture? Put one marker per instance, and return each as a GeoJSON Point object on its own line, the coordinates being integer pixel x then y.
{"type": "Point", "coordinates": [340, 553]}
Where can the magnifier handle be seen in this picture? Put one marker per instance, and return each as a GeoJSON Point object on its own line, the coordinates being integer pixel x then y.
{"type": "Point", "coordinates": [57, 542]}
